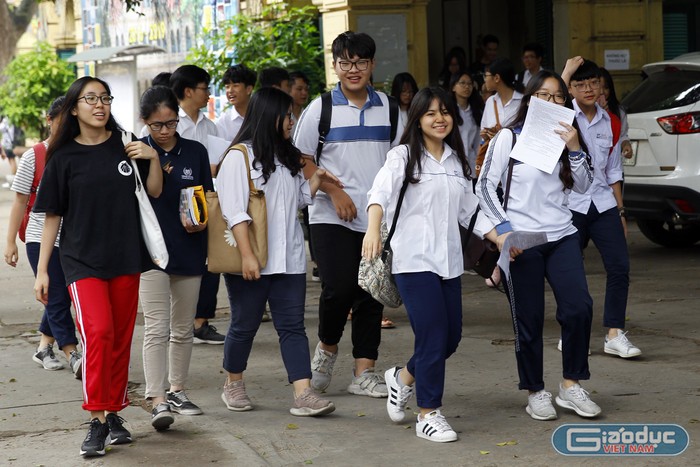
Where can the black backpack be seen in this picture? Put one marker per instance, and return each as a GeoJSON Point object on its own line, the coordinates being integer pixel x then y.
{"type": "Point", "coordinates": [324, 124]}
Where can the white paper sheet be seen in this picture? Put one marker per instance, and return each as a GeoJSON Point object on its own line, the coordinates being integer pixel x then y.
{"type": "Point", "coordinates": [538, 145]}
{"type": "Point", "coordinates": [521, 240]}
{"type": "Point", "coordinates": [216, 147]}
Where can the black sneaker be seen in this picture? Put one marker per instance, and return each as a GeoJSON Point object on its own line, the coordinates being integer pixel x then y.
{"type": "Point", "coordinates": [180, 403]}
{"type": "Point", "coordinates": [162, 416]}
{"type": "Point", "coordinates": [207, 334]}
{"type": "Point", "coordinates": [117, 432]}
{"type": "Point", "coordinates": [314, 275]}
{"type": "Point", "coordinates": [97, 439]}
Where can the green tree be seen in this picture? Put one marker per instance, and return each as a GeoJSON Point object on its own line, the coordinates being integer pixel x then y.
{"type": "Point", "coordinates": [280, 36]}
{"type": "Point", "coordinates": [33, 81]}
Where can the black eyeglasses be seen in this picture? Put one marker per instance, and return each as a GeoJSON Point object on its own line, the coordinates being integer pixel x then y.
{"type": "Point", "coordinates": [157, 126]}
{"type": "Point", "coordinates": [92, 99]}
{"type": "Point", "coordinates": [361, 65]}
{"type": "Point", "coordinates": [557, 98]}
{"type": "Point", "coordinates": [203, 88]}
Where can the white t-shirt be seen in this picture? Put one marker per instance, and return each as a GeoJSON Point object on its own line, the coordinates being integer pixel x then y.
{"type": "Point", "coordinates": [229, 123]}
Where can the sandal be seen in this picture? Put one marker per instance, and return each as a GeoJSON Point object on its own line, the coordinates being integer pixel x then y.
{"type": "Point", "coordinates": [387, 323]}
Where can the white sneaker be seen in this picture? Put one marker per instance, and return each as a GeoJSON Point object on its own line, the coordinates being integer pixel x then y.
{"type": "Point", "coordinates": [322, 368]}
{"type": "Point", "coordinates": [399, 395]}
{"type": "Point", "coordinates": [46, 358]}
{"type": "Point", "coordinates": [539, 406]}
{"type": "Point", "coordinates": [434, 427]}
{"type": "Point", "coordinates": [369, 384]}
{"type": "Point", "coordinates": [621, 346]}
{"type": "Point", "coordinates": [559, 347]}
{"type": "Point", "coordinates": [576, 398]}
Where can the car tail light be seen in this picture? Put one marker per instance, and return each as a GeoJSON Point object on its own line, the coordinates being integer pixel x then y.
{"type": "Point", "coordinates": [684, 206]}
{"type": "Point", "coordinates": [681, 124]}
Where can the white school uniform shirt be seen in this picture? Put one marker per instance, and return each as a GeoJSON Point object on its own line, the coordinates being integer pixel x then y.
{"type": "Point", "coordinates": [506, 113]}
{"type": "Point", "coordinates": [229, 123]}
{"type": "Point", "coordinates": [284, 195]}
{"type": "Point", "coordinates": [469, 131]}
{"type": "Point", "coordinates": [537, 201]}
{"type": "Point", "coordinates": [527, 76]}
{"type": "Point", "coordinates": [427, 235]}
{"type": "Point", "coordinates": [607, 166]}
{"type": "Point", "coordinates": [198, 130]}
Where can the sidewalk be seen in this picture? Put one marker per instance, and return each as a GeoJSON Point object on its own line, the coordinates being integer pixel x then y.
{"type": "Point", "coordinates": [40, 415]}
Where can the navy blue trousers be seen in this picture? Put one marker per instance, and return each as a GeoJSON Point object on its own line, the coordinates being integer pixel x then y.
{"type": "Point", "coordinates": [561, 264]}
{"type": "Point", "coordinates": [206, 305]}
{"type": "Point", "coordinates": [286, 294]}
{"type": "Point", "coordinates": [434, 309]}
{"type": "Point", "coordinates": [56, 321]}
{"type": "Point", "coordinates": [605, 229]}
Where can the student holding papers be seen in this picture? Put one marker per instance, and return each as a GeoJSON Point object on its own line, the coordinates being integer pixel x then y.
{"type": "Point", "coordinates": [537, 202]}
{"type": "Point", "coordinates": [168, 297]}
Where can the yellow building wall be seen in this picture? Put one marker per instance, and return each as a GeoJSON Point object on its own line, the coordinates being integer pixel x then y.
{"type": "Point", "coordinates": [59, 24]}
{"type": "Point", "coordinates": [589, 28]}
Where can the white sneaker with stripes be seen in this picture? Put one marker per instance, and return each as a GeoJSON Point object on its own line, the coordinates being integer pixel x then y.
{"type": "Point", "coordinates": [434, 427]}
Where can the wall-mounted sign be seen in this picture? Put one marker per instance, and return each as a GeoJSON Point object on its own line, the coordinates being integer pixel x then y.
{"type": "Point", "coordinates": [617, 59]}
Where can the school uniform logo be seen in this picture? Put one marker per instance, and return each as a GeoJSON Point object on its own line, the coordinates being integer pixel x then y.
{"type": "Point", "coordinates": [187, 174]}
{"type": "Point", "coordinates": [125, 168]}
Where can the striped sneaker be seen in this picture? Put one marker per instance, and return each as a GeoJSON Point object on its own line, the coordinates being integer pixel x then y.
{"type": "Point", "coordinates": [399, 395]}
{"type": "Point", "coordinates": [434, 427]}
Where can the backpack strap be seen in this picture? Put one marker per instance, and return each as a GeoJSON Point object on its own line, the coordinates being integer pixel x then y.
{"type": "Point", "coordinates": [616, 126]}
{"type": "Point", "coordinates": [39, 164]}
{"type": "Point", "coordinates": [393, 117]}
{"type": "Point", "coordinates": [324, 123]}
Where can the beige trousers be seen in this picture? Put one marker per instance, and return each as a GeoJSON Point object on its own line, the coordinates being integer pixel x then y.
{"type": "Point", "coordinates": [169, 303]}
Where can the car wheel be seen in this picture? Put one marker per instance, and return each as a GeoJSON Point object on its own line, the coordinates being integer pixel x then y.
{"type": "Point", "coordinates": [669, 235]}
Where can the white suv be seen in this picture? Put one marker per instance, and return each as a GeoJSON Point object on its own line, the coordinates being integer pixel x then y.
{"type": "Point", "coordinates": [662, 179]}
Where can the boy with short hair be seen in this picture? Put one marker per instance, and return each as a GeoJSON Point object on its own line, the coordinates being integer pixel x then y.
{"type": "Point", "coordinates": [355, 149]}
{"type": "Point", "coordinates": [532, 61]}
{"type": "Point", "coordinates": [599, 214]}
{"type": "Point", "coordinates": [274, 77]}
{"type": "Point", "coordinates": [238, 81]}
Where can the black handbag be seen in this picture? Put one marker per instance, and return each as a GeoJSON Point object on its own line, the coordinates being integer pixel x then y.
{"type": "Point", "coordinates": [481, 255]}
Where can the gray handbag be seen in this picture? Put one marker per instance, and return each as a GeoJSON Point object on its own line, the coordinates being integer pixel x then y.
{"type": "Point", "coordinates": [374, 275]}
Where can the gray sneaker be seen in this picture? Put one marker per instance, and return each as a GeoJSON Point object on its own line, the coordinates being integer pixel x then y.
{"type": "Point", "coordinates": [235, 397]}
{"type": "Point", "coordinates": [76, 364]}
{"type": "Point", "coordinates": [369, 384]}
{"type": "Point", "coordinates": [322, 368]}
{"type": "Point", "coordinates": [539, 406]}
{"type": "Point", "coordinates": [162, 416]}
{"type": "Point", "coordinates": [576, 398]}
{"type": "Point", "coordinates": [310, 404]}
{"type": "Point", "coordinates": [46, 358]}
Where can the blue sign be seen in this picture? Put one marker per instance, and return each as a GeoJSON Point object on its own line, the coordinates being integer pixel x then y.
{"type": "Point", "coordinates": [610, 439]}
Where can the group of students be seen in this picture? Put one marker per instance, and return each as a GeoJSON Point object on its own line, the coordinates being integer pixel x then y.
{"type": "Point", "coordinates": [350, 183]}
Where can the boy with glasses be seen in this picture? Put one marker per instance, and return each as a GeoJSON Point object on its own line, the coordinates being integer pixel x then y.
{"type": "Point", "coordinates": [599, 214]}
{"type": "Point", "coordinates": [355, 148]}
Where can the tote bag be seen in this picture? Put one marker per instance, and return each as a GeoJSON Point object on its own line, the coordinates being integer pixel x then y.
{"type": "Point", "coordinates": [224, 256]}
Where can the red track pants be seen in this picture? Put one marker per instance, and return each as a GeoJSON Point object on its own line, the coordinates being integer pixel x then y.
{"type": "Point", "coordinates": [105, 316]}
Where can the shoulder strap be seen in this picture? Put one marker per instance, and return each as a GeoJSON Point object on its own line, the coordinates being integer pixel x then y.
{"type": "Point", "coordinates": [244, 150]}
{"type": "Point", "coordinates": [393, 117]}
{"type": "Point", "coordinates": [39, 164]}
{"type": "Point", "coordinates": [616, 126]}
{"type": "Point", "coordinates": [511, 163]}
{"type": "Point", "coordinates": [495, 109]}
{"type": "Point", "coordinates": [398, 210]}
{"type": "Point", "coordinates": [324, 123]}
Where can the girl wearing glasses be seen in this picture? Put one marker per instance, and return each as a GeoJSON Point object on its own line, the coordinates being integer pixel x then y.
{"type": "Point", "coordinates": [538, 203]}
{"type": "Point", "coordinates": [471, 108]}
{"type": "Point", "coordinates": [403, 89]}
{"type": "Point", "coordinates": [169, 297]}
{"type": "Point", "coordinates": [275, 167]}
{"type": "Point", "coordinates": [89, 183]}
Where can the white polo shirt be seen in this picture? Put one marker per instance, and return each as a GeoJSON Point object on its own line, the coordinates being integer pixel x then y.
{"type": "Point", "coordinates": [506, 113]}
{"type": "Point", "coordinates": [607, 166]}
{"type": "Point", "coordinates": [355, 150]}
{"type": "Point", "coordinates": [284, 195]}
{"type": "Point", "coordinates": [229, 123]}
{"type": "Point", "coordinates": [198, 130]}
{"type": "Point", "coordinates": [469, 131]}
{"type": "Point", "coordinates": [427, 235]}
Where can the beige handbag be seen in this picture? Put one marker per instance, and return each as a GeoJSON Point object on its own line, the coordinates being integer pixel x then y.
{"type": "Point", "coordinates": [223, 253]}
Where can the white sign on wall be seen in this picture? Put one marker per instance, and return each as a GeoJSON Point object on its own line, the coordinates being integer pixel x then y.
{"type": "Point", "coordinates": [617, 59]}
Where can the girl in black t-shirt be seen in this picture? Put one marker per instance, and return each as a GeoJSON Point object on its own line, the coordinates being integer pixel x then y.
{"type": "Point", "coordinates": [90, 183]}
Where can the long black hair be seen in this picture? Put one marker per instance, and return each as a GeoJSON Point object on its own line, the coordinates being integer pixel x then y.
{"type": "Point", "coordinates": [263, 129]}
{"type": "Point", "coordinates": [476, 103]}
{"type": "Point", "coordinates": [613, 102]}
{"type": "Point", "coordinates": [533, 86]}
{"type": "Point", "coordinates": [156, 97]}
{"type": "Point", "coordinates": [68, 127]}
{"type": "Point", "coordinates": [413, 135]}
{"type": "Point", "coordinates": [397, 85]}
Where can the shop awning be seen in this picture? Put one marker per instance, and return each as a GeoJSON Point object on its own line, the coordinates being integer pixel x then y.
{"type": "Point", "coordinates": [105, 53]}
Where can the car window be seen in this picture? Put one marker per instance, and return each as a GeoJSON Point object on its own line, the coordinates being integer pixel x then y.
{"type": "Point", "coordinates": [664, 90]}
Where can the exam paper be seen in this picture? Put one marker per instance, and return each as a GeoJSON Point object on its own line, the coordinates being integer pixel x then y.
{"type": "Point", "coordinates": [538, 145]}
{"type": "Point", "coordinates": [521, 240]}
